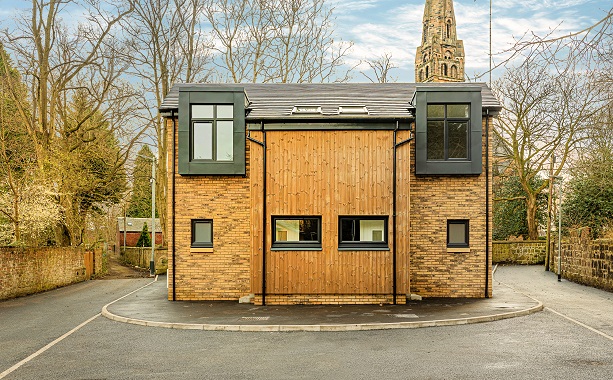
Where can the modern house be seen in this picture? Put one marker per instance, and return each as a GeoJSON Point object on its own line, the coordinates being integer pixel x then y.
{"type": "Point", "coordinates": [329, 193]}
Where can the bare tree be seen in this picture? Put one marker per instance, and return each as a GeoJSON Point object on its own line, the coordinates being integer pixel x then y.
{"type": "Point", "coordinates": [381, 67]}
{"type": "Point", "coordinates": [77, 98]}
{"type": "Point", "coordinates": [549, 101]}
{"type": "Point", "coordinates": [286, 41]}
{"type": "Point", "coordinates": [167, 47]}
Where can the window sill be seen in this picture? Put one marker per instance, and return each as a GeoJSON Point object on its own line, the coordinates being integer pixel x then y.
{"type": "Point", "coordinates": [200, 250]}
{"type": "Point", "coordinates": [296, 249]}
{"type": "Point", "coordinates": [458, 250]}
{"type": "Point", "coordinates": [363, 248]}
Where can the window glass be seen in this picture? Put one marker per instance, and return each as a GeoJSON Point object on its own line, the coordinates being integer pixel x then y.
{"type": "Point", "coordinates": [362, 232]}
{"type": "Point", "coordinates": [458, 110]}
{"type": "Point", "coordinates": [458, 140]}
{"type": "Point", "coordinates": [202, 111]}
{"type": "Point", "coordinates": [436, 140]}
{"type": "Point", "coordinates": [296, 232]}
{"type": "Point", "coordinates": [225, 111]}
{"type": "Point", "coordinates": [457, 233]}
{"type": "Point", "coordinates": [202, 233]}
{"type": "Point", "coordinates": [202, 141]}
{"type": "Point", "coordinates": [225, 143]}
{"type": "Point", "coordinates": [436, 110]}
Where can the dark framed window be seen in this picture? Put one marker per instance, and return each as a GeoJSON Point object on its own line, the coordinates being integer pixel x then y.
{"type": "Point", "coordinates": [212, 130]}
{"type": "Point", "coordinates": [457, 233]}
{"type": "Point", "coordinates": [448, 131]}
{"type": "Point", "coordinates": [202, 233]}
{"type": "Point", "coordinates": [296, 232]}
{"type": "Point", "coordinates": [362, 232]}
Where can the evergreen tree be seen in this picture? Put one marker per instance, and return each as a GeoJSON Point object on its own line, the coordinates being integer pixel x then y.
{"type": "Point", "coordinates": [144, 240]}
{"type": "Point", "coordinates": [140, 202]}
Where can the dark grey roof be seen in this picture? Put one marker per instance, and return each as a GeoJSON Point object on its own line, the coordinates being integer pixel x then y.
{"type": "Point", "coordinates": [276, 100]}
{"type": "Point", "coordinates": [136, 224]}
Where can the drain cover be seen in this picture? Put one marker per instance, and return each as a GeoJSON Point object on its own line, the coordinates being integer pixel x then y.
{"type": "Point", "coordinates": [404, 315]}
{"type": "Point", "coordinates": [255, 318]}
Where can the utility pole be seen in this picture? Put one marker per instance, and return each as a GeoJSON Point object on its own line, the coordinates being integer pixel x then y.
{"type": "Point", "coordinates": [549, 206]}
{"type": "Point", "coordinates": [152, 262]}
{"type": "Point", "coordinates": [560, 232]}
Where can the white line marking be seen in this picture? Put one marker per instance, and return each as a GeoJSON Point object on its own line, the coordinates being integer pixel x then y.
{"type": "Point", "coordinates": [56, 341]}
{"type": "Point", "coordinates": [48, 346]}
{"type": "Point", "coordinates": [580, 324]}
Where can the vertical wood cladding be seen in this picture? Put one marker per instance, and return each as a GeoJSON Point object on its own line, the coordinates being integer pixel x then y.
{"type": "Point", "coordinates": [329, 173]}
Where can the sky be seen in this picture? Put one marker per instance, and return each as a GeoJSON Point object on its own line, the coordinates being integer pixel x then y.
{"type": "Point", "coordinates": [377, 27]}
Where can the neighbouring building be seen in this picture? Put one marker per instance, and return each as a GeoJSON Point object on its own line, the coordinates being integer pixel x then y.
{"type": "Point", "coordinates": [329, 193]}
{"type": "Point", "coordinates": [129, 229]}
{"type": "Point", "coordinates": [440, 58]}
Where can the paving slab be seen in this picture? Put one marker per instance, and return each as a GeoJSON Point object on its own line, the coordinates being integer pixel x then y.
{"type": "Point", "coordinates": [149, 306]}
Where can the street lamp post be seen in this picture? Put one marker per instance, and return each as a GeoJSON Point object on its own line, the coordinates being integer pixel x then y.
{"type": "Point", "coordinates": [152, 261]}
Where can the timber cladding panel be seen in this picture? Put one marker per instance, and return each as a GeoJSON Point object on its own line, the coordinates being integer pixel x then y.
{"type": "Point", "coordinates": [435, 272]}
{"type": "Point", "coordinates": [220, 273]}
{"type": "Point", "coordinates": [329, 173]}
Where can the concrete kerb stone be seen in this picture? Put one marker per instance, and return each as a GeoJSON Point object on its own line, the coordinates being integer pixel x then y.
{"type": "Point", "coordinates": [324, 327]}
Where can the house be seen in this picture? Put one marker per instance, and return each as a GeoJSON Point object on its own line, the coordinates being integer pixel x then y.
{"type": "Point", "coordinates": [129, 229]}
{"type": "Point", "coordinates": [329, 193]}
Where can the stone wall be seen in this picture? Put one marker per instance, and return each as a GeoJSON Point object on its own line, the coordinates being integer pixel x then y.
{"type": "Point", "coordinates": [585, 261]}
{"type": "Point", "coordinates": [26, 271]}
{"type": "Point", "coordinates": [141, 257]}
{"type": "Point", "coordinates": [519, 252]}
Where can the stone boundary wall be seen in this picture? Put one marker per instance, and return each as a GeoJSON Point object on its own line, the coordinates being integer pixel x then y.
{"type": "Point", "coordinates": [26, 271]}
{"type": "Point", "coordinates": [585, 261]}
{"type": "Point", "coordinates": [519, 252]}
{"type": "Point", "coordinates": [141, 257]}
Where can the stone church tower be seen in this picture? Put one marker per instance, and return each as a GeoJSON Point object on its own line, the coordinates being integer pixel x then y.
{"type": "Point", "coordinates": [440, 58]}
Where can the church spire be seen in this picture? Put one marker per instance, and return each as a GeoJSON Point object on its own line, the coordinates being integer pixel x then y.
{"type": "Point", "coordinates": [440, 58]}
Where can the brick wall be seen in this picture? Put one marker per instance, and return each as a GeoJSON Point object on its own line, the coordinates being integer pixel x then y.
{"type": "Point", "coordinates": [223, 272]}
{"type": "Point", "coordinates": [132, 238]}
{"type": "Point", "coordinates": [142, 257]}
{"type": "Point", "coordinates": [585, 261]}
{"type": "Point", "coordinates": [26, 271]}
{"type": "Point", "coordinates": [519, 252]}
{"type": "Point", "coordinates": [435, 271]}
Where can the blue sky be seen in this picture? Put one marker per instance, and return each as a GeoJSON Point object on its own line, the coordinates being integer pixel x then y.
{"type": "Point", "coordinates": [394, 26]}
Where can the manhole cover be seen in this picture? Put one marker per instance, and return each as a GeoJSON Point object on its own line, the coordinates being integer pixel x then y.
{"type": "Point", "coordinates": [255, 318]}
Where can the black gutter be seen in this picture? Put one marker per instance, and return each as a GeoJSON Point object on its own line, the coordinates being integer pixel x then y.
{"type": "Point", "coordinates": [487, 202]}
{"type": "Point", "coordinates": [174, 267]}
{"type": "Point", "coordinates": [396, 145]}
{"type": "Point", "coordinates": [264, 219]}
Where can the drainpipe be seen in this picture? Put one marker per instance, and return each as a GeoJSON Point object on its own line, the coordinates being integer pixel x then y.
{"type": "Point", "coordinates": [394, 169]}
{"type": "Point", "coordinates": [487, 201]}
{"type": "Point", "coordinates": [174, 267]}
{"type": "Point", "coordinates": [264, 219]}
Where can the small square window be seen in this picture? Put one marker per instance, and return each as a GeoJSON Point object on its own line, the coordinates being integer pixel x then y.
{"type": "Point", "coordinates": [457, 233]}
{"type": "Point", "coordinates": [362, 232]}
{"type": "Point", "coordinates": [296, 232]}
{"type": "Point", "coordinates": [202, 233]}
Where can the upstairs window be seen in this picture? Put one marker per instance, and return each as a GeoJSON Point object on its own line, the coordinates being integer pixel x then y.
{"type": "Point", "coordinates": [212, 137]}
{"type": "Point", "coordinates": [212, 132]}
{"type": "Point", "coordinates": [448, 126]}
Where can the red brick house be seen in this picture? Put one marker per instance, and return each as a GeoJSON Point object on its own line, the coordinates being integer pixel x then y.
{"type": "Point", "coordinates": [133, 228]}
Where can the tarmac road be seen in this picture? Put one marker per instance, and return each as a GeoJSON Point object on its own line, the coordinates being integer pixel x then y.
{"type": "Point", "coordinates": [544, 345]}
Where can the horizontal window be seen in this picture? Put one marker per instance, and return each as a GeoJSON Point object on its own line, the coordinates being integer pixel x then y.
{"type": "Point", "coordinates": [202, 233]}
{"type": "Point", "coordinates": [362, 232]}
{"type": "Point", "coordinates": [296, 232]}
{"type": "Point", "coordinates": [457, 233]}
